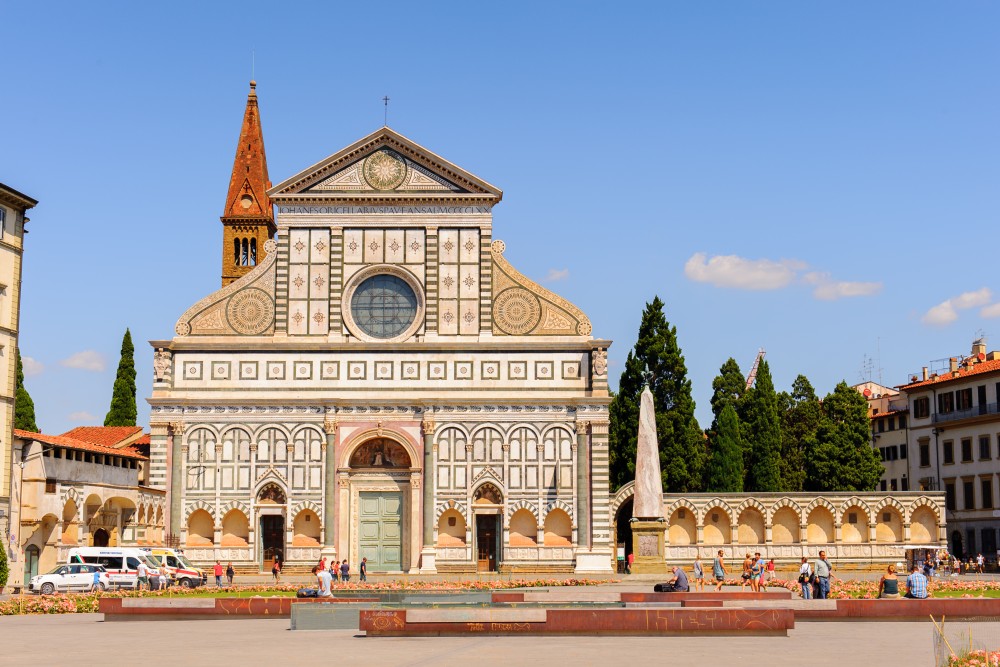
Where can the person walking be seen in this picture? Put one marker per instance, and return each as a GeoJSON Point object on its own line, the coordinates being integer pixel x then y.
{"type": "Point", "coordinates": [888, 585]}
{"type": "Point", "coordinates": [747, 564]}
{"type": "Point", "coordinates": [230, 573]}
{"type": "Point", "coordinates": [96, 584]}
{"type": "Point", "coordinates": [806, 579]}
{"type": "Point", "coordinates": [719, 571]}
{"type": "Point", "coordinates": [335, 570]}
{"type": "Point", "coordinates": [363, 569]}
{"type": "Point", "coordinates": [218, 571]}
{"type": "Point", "coordinates": [770, 569]}
{"type": "Point", "coordinates": [824, 571]}
{"type": "Point", "coordinates": [980, 561]}
{"type": "Point", "coordinates": [756, 572]}
{"type": "Point", "coordinates": [141, 576]}
{"type": "Point", "coordinates": [698, 571]}
{"type": "Point", "coordinates": [345, 571]}
{"type": "Point", "coordinates": [629, 559]}
{"type": "Point", "coordinates": [276, 570]}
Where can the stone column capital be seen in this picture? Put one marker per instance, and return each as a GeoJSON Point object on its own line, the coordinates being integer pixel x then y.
{"type": "Point", "coordinates": [178, 427]}
{"type": "Point", "coordinates": [330, 425]}
{"type": "Point", "coordinates": [427, 426]}
{"type": "Point", "coordinates": [581, 427]}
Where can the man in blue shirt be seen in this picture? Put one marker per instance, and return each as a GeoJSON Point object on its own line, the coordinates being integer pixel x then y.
{"type": "Point", "coordinates": [916, 584]}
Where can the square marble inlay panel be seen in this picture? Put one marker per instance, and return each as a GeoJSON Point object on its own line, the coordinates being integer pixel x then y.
{"type": "Point", "coordinates": [410, 370]}
{"type": "Point", "coordinates": [490, 370]}
{"type": "Point", "coordinates": [517, 370]}
{"type": "Point", "coordinates": [463, 370]}
{"type": "Point", "coordinates": [276, 370]}
{"type": "Point", "coordinates": [356, 370]}
{"type": "Point", "coordinates": [383, 370]}
{"type": "Point", "coordinates": [192, 370]}
{"type": "Point", "coordinates": [303, 370]}
{"type": "Point", "coordinates": [248, 370]}
{"type": "Point", "coordinates": [330, 370]}
{"type": "Point", "coordinates": [436, 370]}
{"type": "Point", "coordinates": [220, 370]}
{"type": "Point", "coordinates": [543, 370]}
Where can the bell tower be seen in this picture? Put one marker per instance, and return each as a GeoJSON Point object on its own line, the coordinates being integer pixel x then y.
{"type": "Point", "coordinates": [248, 218]}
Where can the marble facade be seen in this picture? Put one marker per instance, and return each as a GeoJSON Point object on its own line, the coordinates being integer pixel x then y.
{"type": "Point", "coordinates": [455, 420]}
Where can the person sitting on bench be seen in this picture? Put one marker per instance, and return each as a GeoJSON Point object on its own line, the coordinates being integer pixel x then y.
{"type": "Point", "coordinates": [679, 584]}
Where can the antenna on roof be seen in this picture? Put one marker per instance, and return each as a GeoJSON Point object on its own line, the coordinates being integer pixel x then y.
{"type": "Point", "coordinates": [385, 114]}
{"type": "Point", "coordinates": [253, 65]}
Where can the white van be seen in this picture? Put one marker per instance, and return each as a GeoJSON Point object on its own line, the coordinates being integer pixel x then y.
{"type": "Point", "coordinates": [122, 563]}
{"type": "Point", "coordinates": [178, 567]}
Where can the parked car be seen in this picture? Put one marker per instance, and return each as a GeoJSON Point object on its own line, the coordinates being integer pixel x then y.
{"type": "Point", "coordinates": [71, 577]}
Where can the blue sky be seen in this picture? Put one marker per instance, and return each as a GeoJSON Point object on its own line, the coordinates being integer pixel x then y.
{"type": "Point", "coordinates": [816, 178]}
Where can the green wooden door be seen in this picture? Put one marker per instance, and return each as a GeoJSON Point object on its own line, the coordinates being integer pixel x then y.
{"type": "Point", "coordinates": [380, 531]}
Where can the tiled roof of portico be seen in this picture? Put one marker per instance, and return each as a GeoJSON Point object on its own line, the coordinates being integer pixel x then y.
{"type": "Point", "coordinates": [73, 443]}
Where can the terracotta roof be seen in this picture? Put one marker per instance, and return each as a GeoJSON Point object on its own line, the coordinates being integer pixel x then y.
{"type": "Point", "coordinates": [107, 436]}
{"type": "Point", "coordinates": [889, 413]}
{"type": "Point", "coordinates": [73, 443]}
{"type": "Point", "coordinates": [978, 368]}
{"type": "Point", "coordinates": [144, 440]}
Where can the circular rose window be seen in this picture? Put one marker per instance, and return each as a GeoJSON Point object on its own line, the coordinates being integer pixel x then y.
{"type": "Point", "coordinates": [384, 306]}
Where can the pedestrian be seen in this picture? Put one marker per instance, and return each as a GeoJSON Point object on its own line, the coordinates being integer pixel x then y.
{"type": "Point", "coordinates": [141, 576]}
{"type": "Point", "coordinates": [699, 574]}
{"type": "Point", "coordinates": [363, 569]}
{"type": "Point", "coordinates": [916, 584]}
{"type": "Point", "coordinates": [629, 559]}
{"type": "Point", "coordinates": [679, 584]}
{"type": "Point", "coordinates": [230, 573]}
{"type": "Point", "coordinates": [719, 571]}
{"type": "Point", "coordinates": [979, 563]}
{"type": "Point", "coordinates": [747, 564]}
{"type": "Point", "coordinates": [276, 570]}
{"type": "Point", "coordinates": [345, 571]}
{"type": "Point", "coordinates": [96, 585]}
{"type": "Point", "coordinates": [335, 570]}
{"type": "Point", "coordinates": [218, 571]}
{"type": "Point", "coordinates": [770, 569]}
{"type": "Point", "coordinates": [164, 581]}
{"type": "Point", "coordinates": [322, 563]}
{"type": "Point", "coordinates": [756, 572]}
{"type": "Point", "coordinates": [888, 585]}
{"type": "Point", "coordinates": [806, 579]}
{"type": "Point", "coordinates": [824, 571]}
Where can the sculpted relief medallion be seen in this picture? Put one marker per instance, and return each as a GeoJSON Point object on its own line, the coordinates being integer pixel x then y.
{"type": "Point", "coordinates": [384, 170]}
{"type": "Point", "coordinates": [516, 311]}
{"type": "Point", "coordinates": [250, 312]}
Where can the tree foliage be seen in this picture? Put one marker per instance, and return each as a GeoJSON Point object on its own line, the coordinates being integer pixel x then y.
{"type": "Point", "coordinates": [658, 359]}
{"type": "Point", "coordinates": [728, 388]}
{"type": "Point", "coordinates": [24, 407]}
{"type": "Point", "coordinates": [725, 464]}
{"type": "Point", "coordinates": [123, 410]}
{"type": "Point", "coordinates": [801, 413]}
{"type": "Point", "coordinates": [4, 568]}
{"type": "Point", "coordinates": [764, 431]}
{"type": "Point", "coordinates": [842, 458]}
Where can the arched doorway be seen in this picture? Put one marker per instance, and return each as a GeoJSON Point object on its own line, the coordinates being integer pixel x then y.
{"type": "Point", "coordinates": [31, 554]}
{"type": "Point", "coordinates": [101, 538]}
{"type": "Point", "coordinates": [379, 470]}
{"type": "Point", "coordinates": [623, 534]}
{"type": "Point", "coordinates": [487, 506]}
{"type": "Point", "coordinates": [271, 501]}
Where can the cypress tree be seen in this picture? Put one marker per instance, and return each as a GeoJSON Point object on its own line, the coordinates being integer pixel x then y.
{"type": "Point", "coordinates": [725, 463]}
{"type": "Point", "coordinates": [24, 407]}
{"type": "Point", "coordinates": [123, 411]}
{"type": "Point", "coordinates": [728, 388]}
{"type": "Point", "coordinates": [658, 359]}
{"type": "Point", "coordinates": [764, 429]}
{"type": "Point", "coordinates": [842, 458]}
{"type": "Point", "coordinates": [4, 569]}
{"type": "Point", "coordinates": [801, 413]}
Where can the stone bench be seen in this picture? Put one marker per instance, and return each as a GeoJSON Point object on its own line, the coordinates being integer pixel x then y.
{"type": "Point", "coordinates": [163, 608]}
{"type": "Point", "coordinates": [591, 622]}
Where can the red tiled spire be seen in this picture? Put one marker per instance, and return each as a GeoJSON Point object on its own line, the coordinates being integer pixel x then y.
{"type": "Point", "coordinates": [247, 197]}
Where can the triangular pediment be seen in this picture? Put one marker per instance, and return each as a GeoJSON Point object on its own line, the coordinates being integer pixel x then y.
{"type": "Point", "coordinates": [388, 164]}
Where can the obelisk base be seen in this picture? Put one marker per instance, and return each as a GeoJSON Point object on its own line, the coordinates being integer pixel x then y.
{"type": "Point", "coordinates": [428, 558]}
{"type": "Point", "coordinates": [648, 545]}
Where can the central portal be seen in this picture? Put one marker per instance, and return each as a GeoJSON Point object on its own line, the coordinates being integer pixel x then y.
{"type": "Point", "coordinates": [380, 530]}
{"type": "Point", "coordinates": [272, 538]}
{"type": "Point", "coordinates": [487, 533]}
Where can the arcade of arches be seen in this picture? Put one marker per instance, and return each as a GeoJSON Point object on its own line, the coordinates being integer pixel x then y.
{"type": "Point", "coordinates": [866, 528]}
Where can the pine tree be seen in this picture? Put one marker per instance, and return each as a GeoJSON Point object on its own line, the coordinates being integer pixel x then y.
{"type": "Point", "coordinates": [24, 407]}
{"type": "Point", "coordinates": [725, 463]}
{"type": "Point", "coordinates": [4, 569]}
{"type": "Point", "coordinates": [658, 358]}
{"type": "Point", "coordinates": [764, 429]}
{"type": "Point", "coordinates": [842, 458]}
{"type": "Point", "coordinates": [801, 413]}
{"type": "Point", "coordinates": [123, 411]}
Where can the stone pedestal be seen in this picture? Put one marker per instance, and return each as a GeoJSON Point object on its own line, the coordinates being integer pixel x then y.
{"type": "Point", "coordinates": [593, 561]}
{"type": "Point", "coordinates": [428, 556]}
{"type": "Point", "coordinates": [648, 545]}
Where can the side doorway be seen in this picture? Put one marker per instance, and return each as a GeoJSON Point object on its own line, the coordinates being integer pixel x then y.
{"type": "Point", "coordinates": [487, 542]}
{"type": "Point", "coordinates": [272, 539]}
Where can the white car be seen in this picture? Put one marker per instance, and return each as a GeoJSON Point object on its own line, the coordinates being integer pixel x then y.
{"type": "Point", "coordinates": [71, 577]}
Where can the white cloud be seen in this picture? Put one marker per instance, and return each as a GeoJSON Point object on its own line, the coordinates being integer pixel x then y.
{"type": "Point", "coordinates": [741, 273]}
{"type": "Point", "coordinates": [31, 367]}
{"type": "Point", "coordinates": [555, 275]}
{"type": "Point", "coordinates": [946, 312]}
{"type": "Point", "coordinates": [87, 360]}
{"type": "Point", "coordinates": [83, 416]}
{"type": "Point", "coordinates": [990, 311]}
{"type": "Point", "coordinates": [828, 289]}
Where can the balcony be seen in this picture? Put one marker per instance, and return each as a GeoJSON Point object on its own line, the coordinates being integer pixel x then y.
{"type": "Point", "coordinates": [970, 413]}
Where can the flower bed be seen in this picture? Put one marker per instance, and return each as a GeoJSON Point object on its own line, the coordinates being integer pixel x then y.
{"type": "Point", "coordinates": [976, 659]}
{"type": "Point", "coordinates": [85, 603]}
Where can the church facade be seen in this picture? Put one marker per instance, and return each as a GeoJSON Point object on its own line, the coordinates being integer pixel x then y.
{"type": "Point", "coordinates": [376, 380]}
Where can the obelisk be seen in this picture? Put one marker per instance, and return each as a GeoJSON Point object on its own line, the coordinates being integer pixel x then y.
{"type": "Point", "coordinates": [648, 524]}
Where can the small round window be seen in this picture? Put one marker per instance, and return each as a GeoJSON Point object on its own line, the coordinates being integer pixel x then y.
{"type": "Point", "coordinates": [384, 306]}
